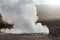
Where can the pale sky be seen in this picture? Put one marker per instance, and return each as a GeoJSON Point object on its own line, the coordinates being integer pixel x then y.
{"type": "Point", "coordinates": [49, 10]}
{"type": "Point", "coordinates": [48, 2]}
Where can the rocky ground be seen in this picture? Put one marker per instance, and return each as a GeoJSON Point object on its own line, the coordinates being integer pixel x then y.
{"type": "Point", "coordinates": [4, 36]}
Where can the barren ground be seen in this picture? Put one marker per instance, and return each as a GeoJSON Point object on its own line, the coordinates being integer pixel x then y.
{"type": "Point", "coordinates": [4, 36]}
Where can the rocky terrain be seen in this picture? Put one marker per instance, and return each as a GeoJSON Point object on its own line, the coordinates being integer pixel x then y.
{"type": "Point", "coordinates": [22, 37]}
{"type": "Point", "coordinates": [4, 36]}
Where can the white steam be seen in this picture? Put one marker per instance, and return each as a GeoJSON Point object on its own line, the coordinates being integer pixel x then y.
{"type": "Point", "coordinates": [21, 13]}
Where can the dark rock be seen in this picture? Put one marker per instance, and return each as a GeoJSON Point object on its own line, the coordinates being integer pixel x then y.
{"type": "Point", "coordinates": [4, 24]}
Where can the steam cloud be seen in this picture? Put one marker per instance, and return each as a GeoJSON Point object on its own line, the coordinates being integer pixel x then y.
{"type": "Point", "coordinates": [21, 13]}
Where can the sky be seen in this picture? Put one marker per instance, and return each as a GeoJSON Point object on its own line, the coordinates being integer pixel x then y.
{"type": "Point", "coordinates": [54, 2]}
{"type": "Point", "coordinates": [49, 9]}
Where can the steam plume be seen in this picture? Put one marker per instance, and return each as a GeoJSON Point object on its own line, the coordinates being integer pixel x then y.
{"type": "Point", "coordinates": [21, 13]}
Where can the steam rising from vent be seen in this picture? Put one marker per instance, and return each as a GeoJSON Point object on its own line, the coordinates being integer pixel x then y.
{"type": "Point", "coordinates": [21, 13]}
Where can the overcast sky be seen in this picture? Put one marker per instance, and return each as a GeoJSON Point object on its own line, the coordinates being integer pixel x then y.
{"type": "Point", "coordinates": [48, 2]}
{"type": "Point", "coordinates": [50, 10]}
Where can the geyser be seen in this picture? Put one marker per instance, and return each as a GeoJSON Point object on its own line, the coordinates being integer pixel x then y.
{"type": "Point", "coordinates": [21, 13]}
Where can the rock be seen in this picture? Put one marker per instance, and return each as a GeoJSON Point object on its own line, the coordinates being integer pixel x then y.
{"type": "Point", "coordinates": [4, 25]}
